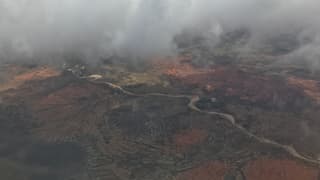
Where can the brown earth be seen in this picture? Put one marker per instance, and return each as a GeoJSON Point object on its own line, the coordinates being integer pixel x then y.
{"type": "Point", "coordinates": [65, 107]}
{"type": "Point", "coordinates": [231, 81]}
{"type": "Point", "coordinates": [178, 67]}
{"type": "Point", "coordinates": [310, 87]}
{"type": "Point", "coordinates": [259, 169]}
{"type": "Point", "coordinates": [185, 139]}
{"type": "Point", "coordinates": [17, 76]}
{"type": "Point", "coordinates": [213, 170]}
{"type": "Point", "coordinates": [279, 169]}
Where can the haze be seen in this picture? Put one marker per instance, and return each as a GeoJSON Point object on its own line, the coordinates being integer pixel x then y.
{"type": "Point", "coordinates": [52, 29]}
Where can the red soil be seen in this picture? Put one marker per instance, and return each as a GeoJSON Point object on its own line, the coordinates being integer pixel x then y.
{"type": "Point", "coordinates": [274, 169]}
{"type": "Point", "coordinates": [37, 74]}
{"type": "Point", "coordinates": [18, 76]}
{"type": "Point", "coordinates": [230, 81]}
{"type": "Point", "coordinates": [188, 138]}
{"type": "Point", "coordinates": [310, 87]}
{"type": "Point", "coordinates": [68, 94]}
{"type": "Point", "coordinates": [178, 67]}
{"type": "Point", "coordinates": [213, 170]}
{"type": "Point", "coordinates": [260, 169]}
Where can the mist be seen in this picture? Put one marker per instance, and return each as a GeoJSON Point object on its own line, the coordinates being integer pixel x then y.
{"type": "Point", "coordinates": [49, 30]}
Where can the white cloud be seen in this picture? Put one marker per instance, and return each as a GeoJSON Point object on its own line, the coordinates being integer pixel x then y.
{"type": "Point", "coordinates": [38, 28]}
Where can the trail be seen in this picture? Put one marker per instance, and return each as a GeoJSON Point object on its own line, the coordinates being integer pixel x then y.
{"type": "Point", "coordinates": [193, 99]}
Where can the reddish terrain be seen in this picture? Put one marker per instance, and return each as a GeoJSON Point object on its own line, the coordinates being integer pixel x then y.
{"type": "Point", "coordinates": [188, 138]}
{"type": "Point", "coordinates": [213, 170]}
{"type": "Point", "coordinates": [17, 76]}
{"type": "Point", "coordinates": [231, 81]}
{"type": "Point", "coordinates": [310, 87]}
{"type": "Point", "coordinates": [64, 111]}
{"type": "Point", "coordinates": [259, 169]}
{"type": "Point", "coordinates": [279, 169]}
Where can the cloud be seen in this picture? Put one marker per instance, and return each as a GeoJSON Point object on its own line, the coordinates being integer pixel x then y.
{"type": "Point", "coordinates": [53, 29]}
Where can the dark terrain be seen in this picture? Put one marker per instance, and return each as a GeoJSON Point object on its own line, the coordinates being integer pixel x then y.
{"type": "Point", "coordinates": [65, 123]}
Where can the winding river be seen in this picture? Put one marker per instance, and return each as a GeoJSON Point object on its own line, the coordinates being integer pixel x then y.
{"type": "Point", "coordinates": [193, 99]}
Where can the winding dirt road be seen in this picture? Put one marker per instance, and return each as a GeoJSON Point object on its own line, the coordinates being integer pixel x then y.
{"type": "Point", "coordinates": [193, 99]}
